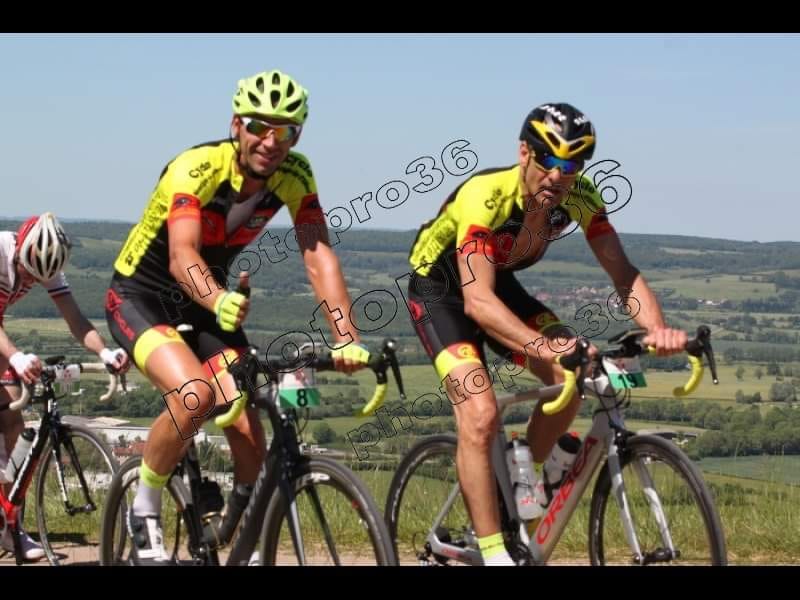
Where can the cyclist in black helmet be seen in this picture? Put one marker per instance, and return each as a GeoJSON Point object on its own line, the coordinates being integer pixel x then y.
{"type": "Point", "coordinates": [464, 292]}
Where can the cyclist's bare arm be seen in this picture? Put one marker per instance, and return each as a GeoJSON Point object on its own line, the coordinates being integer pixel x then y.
{"type": "Point", "coordinates": [635, 291]}
{"type": "Point", "coordinates": [31, 365]}
{"type": "Point", "coordinates": [83, 330]}
{"type": "Point", "coordinates": [326, 278]}
{"type": "Point", "coordinates": [80, 327]}
{"type": "Point", "coordinates": [185, 241]}
{"type": "Point", "coordinates": [483, 306]}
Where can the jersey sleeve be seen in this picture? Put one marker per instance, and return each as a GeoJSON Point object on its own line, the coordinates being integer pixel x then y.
{"type": "Point", "coordinates": [299, 192]}
{"type": "Point", "coordinates": [585, 205]}
{"type": "Point", "coordinates": [477, 210]}
{"type": "Point", "coordinates": [57, 286]}
{"type": "Point", "coordinates": [187, 185]}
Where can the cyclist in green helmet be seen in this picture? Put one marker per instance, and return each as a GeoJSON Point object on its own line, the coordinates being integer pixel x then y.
{"type": "Point", "coordinates": [210, 202]}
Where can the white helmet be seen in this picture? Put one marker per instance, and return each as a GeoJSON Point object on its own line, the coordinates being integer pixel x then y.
{"type": "Point", "coordinates": [43, 246]}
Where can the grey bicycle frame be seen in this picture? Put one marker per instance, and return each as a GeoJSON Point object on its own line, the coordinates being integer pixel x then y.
{"type": "Point", "coordinates": [599, 443]}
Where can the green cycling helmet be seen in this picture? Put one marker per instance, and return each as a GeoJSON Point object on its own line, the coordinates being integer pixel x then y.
{"type": "Point", "coordinates": [272, 94]}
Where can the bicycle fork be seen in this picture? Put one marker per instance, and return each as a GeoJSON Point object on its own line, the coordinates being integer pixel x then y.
{"type": "Point", "coordinates": [668, 552]}
{"type": "Point", "coordinates": [89, 506]}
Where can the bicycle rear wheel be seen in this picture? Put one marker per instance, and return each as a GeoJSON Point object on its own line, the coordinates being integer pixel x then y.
{"type": "Point", "coordinates": [338, 521]}
{"type": "Point", "coordinates": [420, 488]}
{"type": "Point", "coordinates": [115, 544]}
{"type": "Point", "coordinates": [655, 471]}
{"type": "Point", "coordinates": [69, 509]}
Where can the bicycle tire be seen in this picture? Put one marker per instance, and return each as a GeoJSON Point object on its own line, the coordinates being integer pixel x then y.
{"type": "Point", "coordinates": [55, 543]}
{"type": "Point", "coordinates": [405, 529]}
{"type": "Point", "coordinates": [656, 450]}
{"type": "Point", "coordinates": [359, 511]}
{"type": "Point", "coordinates": [115, 511]}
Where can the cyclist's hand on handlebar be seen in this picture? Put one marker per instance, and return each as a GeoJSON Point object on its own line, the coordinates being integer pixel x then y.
{"type": "Point", "coordinates": [560, 347]}
{"type": "Point", "coordinates": [117, 360]}
{"type": "Point", "coordinates": [666, 340]}
{"type": "Point", "coordinates": [350, 358]}
{"type": "Point", "coordinates": [27, 366]}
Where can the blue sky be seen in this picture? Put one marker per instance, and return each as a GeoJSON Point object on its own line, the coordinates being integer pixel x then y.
{"type": "Point", "coordinates": [705, 128]}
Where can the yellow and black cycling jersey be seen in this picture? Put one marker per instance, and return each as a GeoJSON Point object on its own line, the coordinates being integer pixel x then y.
{"type": "Point", "coordinates": [203, 184]}
{"type": "Point", "coordinates": [489, 208]}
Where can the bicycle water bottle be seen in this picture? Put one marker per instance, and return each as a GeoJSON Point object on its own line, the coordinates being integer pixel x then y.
{"type": "Point", "coordinates": [523, 478]}
{"type": "Point", "coordinates": [560, 462]}
{"type": "Point", "coordinates": [24, 442]}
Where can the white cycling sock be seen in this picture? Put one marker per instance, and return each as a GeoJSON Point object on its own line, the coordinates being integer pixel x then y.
{"type": "Point", "coordinates": [493, 551]}
{"type": "Point", "coordinates": [499, 560]}
{"type": "Point", "coordinates": [148, 501]}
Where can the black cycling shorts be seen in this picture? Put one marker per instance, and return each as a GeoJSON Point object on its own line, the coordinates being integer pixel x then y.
{"type": "Point", "coordinates": [451, 338]}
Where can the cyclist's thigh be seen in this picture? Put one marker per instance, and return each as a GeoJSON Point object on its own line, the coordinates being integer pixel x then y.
{"type": "Point", "coordinates": [454, 343]}
{"type": "Point", "coordinates": [536, 315]}
{"type": "Point", "coordinates": [140, 324]}
{"type": "Point", "coordinates": [219, 350]}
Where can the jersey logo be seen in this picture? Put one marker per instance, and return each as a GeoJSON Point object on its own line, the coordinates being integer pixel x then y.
{"type": "Point", "coordinates": [467, 351]}
{"type": "Point", "coordinates": [198, 172]}
{"type": "Point", "coordinates": [113, 301]}
{"type": "Point", "coordinates": [557, 114]}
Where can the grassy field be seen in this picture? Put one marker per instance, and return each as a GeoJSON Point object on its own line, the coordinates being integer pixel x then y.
{"type": "Point", "coordinates": [759, 519]}
{"type": "Point", "coordinates": [777, 469]}
{"type": "Point", "coordinates": [719, 287]}
{"type": "Point", "coordinates": [660, 383]}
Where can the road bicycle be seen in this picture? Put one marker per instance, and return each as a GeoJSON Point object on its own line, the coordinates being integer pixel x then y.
{"type": "Point", "coordinates": [649, 505]}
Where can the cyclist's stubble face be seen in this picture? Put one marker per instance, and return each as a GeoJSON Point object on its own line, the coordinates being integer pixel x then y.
{"type": "Point", "coordinates": [545, 188]}
{"type": "Point", "coordinates": [263, 156]}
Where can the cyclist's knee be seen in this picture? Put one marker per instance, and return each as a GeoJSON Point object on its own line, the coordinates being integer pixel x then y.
{"type": "Point", "coordinates": [194, 399]}
{"type": "Point", "coordinates": [479, 426]}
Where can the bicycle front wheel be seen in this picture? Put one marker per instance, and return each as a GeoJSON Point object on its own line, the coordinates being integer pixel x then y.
{"type": "Point", "coordinates": [71, 488]}
{"type": "Point", "coordinates": [672, 513]}
{"type": "Point", "coordinates": [337, 521]}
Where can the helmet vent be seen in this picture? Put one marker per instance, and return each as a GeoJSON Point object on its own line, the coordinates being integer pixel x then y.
{"type": "Point", "coordinates": [275, 97]}
{"type": "Point", "coordinates": [290, 89]}
{"type": "Point", "coordinates": [253, 99]}
{"type": "Point", "coordinates": [553, 139]}
{"type": "Point", "coordinates": [293, 106]}
{"type": "Point", "coordinates": [276, 79]}
{"type": "Point", "coordinates": [576, 145]}
{"type": "Point", "coordinates": [260, 84]}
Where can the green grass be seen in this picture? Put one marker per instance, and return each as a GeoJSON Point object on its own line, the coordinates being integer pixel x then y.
{"type": "Point", "coordinates": [719, 287]}
{"type": "Point", "coordinates": [778, 469]}
{"type": "Point", "coordinates": [661, 383]}
{"type": "Point", "coordinates": [569, 269]}
{"type": "Point", "coordinates": [15, 326]}
{"type": "Point", "coordinates": [669, 250]}
{"type": "Point", "coordinates": [759, 519]}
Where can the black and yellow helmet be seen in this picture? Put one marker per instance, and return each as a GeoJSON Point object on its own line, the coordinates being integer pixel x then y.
{"type": "Point", "coordinates": [559, 129]}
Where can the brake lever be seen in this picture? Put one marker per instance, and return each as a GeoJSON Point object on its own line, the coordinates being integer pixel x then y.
{"type": "Point", "coordinates": [703, 341]}
{"type": "Point", "coordinates": [389, 348]}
